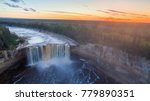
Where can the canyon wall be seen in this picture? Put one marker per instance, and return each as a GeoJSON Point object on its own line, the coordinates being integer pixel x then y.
{"type": "Point", "coordinates": [11, 59]}
{"type": "Point", "coordinates": [119, 65]}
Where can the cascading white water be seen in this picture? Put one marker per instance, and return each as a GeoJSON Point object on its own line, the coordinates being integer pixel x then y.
{"type": "Point", "coordinates": [46, 50]}
{"type": "Point", "coordinates": [46, 53]}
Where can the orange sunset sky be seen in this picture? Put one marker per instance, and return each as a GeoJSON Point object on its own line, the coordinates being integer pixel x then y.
{"type": "Point", "coordinates": [110, 10]}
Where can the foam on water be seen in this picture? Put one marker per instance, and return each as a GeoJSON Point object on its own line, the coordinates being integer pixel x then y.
{"type": "Point", "coordinates": [41, 47]}
{"type": "Point", "coordinates": [34, 37]}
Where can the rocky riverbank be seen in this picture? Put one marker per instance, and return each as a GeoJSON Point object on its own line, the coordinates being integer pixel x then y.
{"type": "Point", "coordinates": [119, 65]}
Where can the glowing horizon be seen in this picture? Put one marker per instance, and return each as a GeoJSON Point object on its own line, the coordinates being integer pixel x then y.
{"type": "Point", "coordinates": [110, 10]}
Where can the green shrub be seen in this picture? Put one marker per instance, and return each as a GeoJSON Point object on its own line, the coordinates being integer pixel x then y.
{"type": "Point", "coordinates": [7, 40]}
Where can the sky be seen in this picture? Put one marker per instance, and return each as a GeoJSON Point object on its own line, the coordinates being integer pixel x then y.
{"type": "Point", "coordinates": [110, 10]}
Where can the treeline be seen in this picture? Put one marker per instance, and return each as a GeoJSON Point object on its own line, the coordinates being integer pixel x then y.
{"type": "Point", "coordinates": [7, 40]}
{"type": "Point", "coordinates": [133, 38]}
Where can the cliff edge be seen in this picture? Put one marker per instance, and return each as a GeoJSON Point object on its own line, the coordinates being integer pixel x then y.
{"type": "Point", "coordinates": [8, 53]}
{"type": "Point", "coordinates": [119, 65]}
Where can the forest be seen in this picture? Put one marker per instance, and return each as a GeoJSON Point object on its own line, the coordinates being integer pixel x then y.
{"type": "Point", "coordinates": [8, 41]}
{"type": "Point", "coordinates": [133, 38]}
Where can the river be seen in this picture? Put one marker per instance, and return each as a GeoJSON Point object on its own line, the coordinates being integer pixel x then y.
{"type": "Point", "coordinates": [49, 61]}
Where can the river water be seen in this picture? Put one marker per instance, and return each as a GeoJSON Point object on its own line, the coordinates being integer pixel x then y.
{"type": "Point", "coordinates": [49, 61]}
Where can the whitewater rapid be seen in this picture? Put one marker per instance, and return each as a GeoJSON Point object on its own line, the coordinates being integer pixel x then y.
{"type": "Point", "coordinates": [34, 37]}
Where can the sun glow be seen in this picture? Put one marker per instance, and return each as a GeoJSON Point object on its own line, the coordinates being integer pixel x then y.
{"type": "Point", "coordinates": [126, 11]}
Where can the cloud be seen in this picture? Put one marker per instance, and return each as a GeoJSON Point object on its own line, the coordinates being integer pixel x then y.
{"type": "Point", "coordinates": [33, 10]}
{"type": "Point", "coordinates": [17, 6]}
{"type": "Point", "coordinates": [17, 1]}
{"type": "Point", "coordinates": [103, 11]}
{"type": "Point", "coordinates": [25, 9]}
{"type": "Point", "coordinates": [12, 5]}
{"type": "Point", "coordinates": [113, 13]}
{"type": "Point", "coordinates": [29, 9]}
{"type": "Point", "coordinates": [121, 13]}
{"type": "Point", "coordinates": [86, 6]}
{"type": "Point", "coordinates": [72, 13]}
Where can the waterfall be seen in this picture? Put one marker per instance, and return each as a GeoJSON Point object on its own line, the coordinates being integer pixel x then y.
{"type": "Point", "coordinates": [45, 53]}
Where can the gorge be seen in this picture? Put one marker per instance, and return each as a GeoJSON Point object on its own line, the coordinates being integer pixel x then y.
{"type": "Point", "coordinates": [49, 60]}
{"type": "Point", "coordinates": [56, 59]}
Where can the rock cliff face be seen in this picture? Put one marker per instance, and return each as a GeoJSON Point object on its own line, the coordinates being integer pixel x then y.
{"type": "Point", "coordinates": [121, 66]}
{"type": "Point", "coordinates": [10, 58]}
